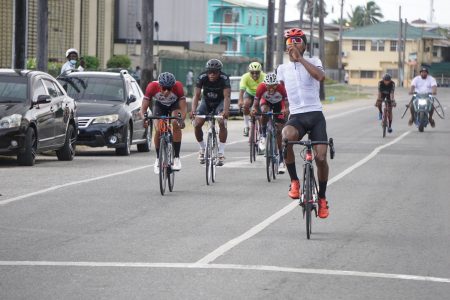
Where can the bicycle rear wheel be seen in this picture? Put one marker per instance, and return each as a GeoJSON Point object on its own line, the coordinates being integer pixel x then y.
{"type": "Point", "coordinates": [269, 156]}
{"type": "Point", "coordinates": [208, 158]}
{"type": "Point", "coordinates": [308, 201]}
{"type": "Point", "coordinates": [162, 165]}
{"type": "Point", "coordinates": [171, 173]}
{"type": "Point", "coordinates": [384, 122]}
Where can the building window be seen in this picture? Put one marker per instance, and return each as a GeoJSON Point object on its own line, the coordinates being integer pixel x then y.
{"type": "Point", "coordinates": [263, 21]}
{"type": "Point", "coordinates": [230, 16]}
{"type": "Point", "coordinates": [394, 44]}
{"type": "Point", "coordinates": [257, 20]}
{"type": "Point", "coordinates": [359, 45]}
{"type": "Point", "coordinates": [435, 51]}
{"type": "Point", "coordinates": [377, 45]}
{"type": "Point", "coordinates": [249, 18]}
{"type": "Point", "coordinates": [367, 74]}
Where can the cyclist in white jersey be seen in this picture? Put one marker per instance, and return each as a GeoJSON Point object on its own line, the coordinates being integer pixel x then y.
{"type": "Point", "coordinates": [423, 84]}
{"type": "Point", "coordinates": [301, 78]}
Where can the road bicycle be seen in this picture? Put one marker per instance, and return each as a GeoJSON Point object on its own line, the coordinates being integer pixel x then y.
{"type": "Point", "coordinates": [212, 147]}
{"type": "Point", "coordinates": [271, 152]}
{"type": "Point", "coordinates": [254, 137]}
{"type": "Point", "coordinates": [386, 114]}
{"type": "Point", "coordinates": [309, 192]}
{"type": "Point", "coordinates": [166, 151]}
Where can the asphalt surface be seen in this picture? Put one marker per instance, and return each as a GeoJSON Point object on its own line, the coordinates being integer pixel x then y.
{"type": "Point", "coordinates": [98, 228]}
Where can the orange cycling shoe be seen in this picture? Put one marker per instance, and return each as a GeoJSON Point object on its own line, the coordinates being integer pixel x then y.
{"type": "Point", "coordinates": [323, 208]}
{"type": "Point", "coordinates": [294, 190]}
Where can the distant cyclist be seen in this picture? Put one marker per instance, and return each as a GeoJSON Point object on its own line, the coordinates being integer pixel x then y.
{"type": "Point", "coordinates": [301, 77]}
{"type": "Point", "coordinates": [169, 101]}
{"type": "Point", "coordinates": [386, 89]}
{"type": "Point", "coordinates": [423, 84]}
{"type": "Point", "coordinates": [270, 95]}
{"type": "Point", "coordinates": [249, 83]}
{"type": "Point", "coordinates": [216, 98]}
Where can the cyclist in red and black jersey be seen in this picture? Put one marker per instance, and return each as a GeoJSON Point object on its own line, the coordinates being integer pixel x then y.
{"type": "Point", "coordinates": [169, 101]}
{"type": "Point", "coordinates": [270, 95]}
{"type": "Point", "coordinates": [386, 89]}
{"type": "Point", "coordinates": [216, 98]}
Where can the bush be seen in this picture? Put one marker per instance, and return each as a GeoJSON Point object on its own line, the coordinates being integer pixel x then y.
{"type": "Point", "coordinates": [92, 63]}
{"type": "Point", "coordinates": [119, 61]}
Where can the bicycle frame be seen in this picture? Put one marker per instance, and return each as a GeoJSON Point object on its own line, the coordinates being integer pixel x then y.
{"type": "Point", "coordinates": [272, 157]}
{"type": "Point", "coordinates": [309, 194]}
{"type": "Point", "coordinates": [212, 147]}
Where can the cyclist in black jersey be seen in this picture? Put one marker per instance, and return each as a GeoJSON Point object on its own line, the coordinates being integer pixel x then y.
{"type": "Point", "coordinates": [215, 98]}
{"type": "Point", "coordinates": [386, 89]}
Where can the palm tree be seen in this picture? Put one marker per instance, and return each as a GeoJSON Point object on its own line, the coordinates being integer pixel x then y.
{"type": "Point", "coordinates": [308, 4]}
{"type": "Point", "coordinates": [365, 15]}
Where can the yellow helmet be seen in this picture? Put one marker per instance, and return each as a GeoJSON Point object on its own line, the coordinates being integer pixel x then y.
{"type": "Point", "coordinates": [254, 66]}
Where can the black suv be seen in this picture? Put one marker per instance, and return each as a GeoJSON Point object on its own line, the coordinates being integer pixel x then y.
{"type": "Point", "coordinates": [108, 110]}
{"type": "Point", "coordinates": [36, 115]}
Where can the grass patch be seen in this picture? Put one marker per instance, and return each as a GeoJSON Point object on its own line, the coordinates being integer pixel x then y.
{"type": "Point", "coordinates": [343, 92]}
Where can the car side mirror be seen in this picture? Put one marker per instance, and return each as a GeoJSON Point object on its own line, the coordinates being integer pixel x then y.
{"type": "Point", "coordinates": [131, 99]}
{"type": "Point", "coordinates": [43, 99]}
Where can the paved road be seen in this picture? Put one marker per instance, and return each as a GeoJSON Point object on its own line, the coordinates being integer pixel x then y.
{"type": "Point", "coordinates": [97, 227]}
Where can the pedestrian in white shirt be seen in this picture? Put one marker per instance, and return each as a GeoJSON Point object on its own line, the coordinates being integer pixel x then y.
{"type": "Point", "coordinates": [72, 58]}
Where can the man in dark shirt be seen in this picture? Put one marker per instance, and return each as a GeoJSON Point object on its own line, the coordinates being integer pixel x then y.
{"type": "Point", "coordinates": [386, 88]}
{"type": "Point", "coordinates": [216, 98]}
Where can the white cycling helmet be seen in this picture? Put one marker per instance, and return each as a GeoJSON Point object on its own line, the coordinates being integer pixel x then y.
{"type": "Point", "coordinates": [72, 50]}
{"type": "Point", "coordinates": [271, 79]}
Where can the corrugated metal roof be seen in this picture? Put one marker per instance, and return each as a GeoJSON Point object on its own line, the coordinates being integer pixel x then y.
{"type": "Point", "coordinates": [245, 3]}
{"type": "Point", "coordinates": [388, 31]}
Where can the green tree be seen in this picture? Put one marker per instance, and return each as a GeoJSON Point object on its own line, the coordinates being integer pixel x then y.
{"type": "Point", "coordinates": [119, 61]}
{"type": "Point", "coordinates": [365, 15]}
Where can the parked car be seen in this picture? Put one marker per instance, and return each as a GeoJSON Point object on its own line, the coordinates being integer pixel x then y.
{"type": "Point", "coordinates": [108, 106]}
{"type": "Point", "coordinates": [234, 97]}
{"type": "Point", "coordinates": [36, 115]}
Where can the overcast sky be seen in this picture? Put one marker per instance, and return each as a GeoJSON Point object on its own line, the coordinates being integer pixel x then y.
{"type": "Point", "coordinates": [411, 9]}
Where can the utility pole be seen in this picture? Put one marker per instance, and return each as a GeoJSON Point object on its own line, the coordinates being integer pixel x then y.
{"type": "Point", "coordinates": [147, 43]}
{"type": "Point", "coordinates": [399, 47]}
{"type": "Point", "coordinates": [270, 35]}
{"type": "Point", "coordinates": [311, 24]}
{"type": "Point", "coordinates": [321, 45]}
{"type": "Point", "coordinates": [341, 23]}
{"type": "Point", "coordinates": [280, 32]}
{"type": "Point", "coordinates": [20, 31]}
{"type": "Point", "coordinates": [404, 51]}
{"type": "Point", "coordinates": [42, 35]}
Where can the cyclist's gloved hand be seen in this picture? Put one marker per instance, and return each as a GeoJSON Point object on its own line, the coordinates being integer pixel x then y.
{"type": "Point", "coordinates": [181, 123]}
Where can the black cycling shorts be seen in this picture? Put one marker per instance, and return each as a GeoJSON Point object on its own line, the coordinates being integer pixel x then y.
{"type": "Point", "coordinates": [311, 122]}
{"type": "Point", "coordinates": [206, 108]}
{"type": "Point", "coordinates": [160, 109]}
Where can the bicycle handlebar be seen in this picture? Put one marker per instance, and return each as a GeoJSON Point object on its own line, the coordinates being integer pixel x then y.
{"type": "Point", "coordinates": [209, 116]}
{"type": "Point", "coordinates": [309, 143]}
{"type": "Point", "coordinates": [147, 117]}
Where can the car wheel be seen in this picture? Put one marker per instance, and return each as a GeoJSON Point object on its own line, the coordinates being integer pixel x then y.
{"type": "Point", "coordinates": [145, 147]}
{"type": "Point", "coordinates": [67, 151]}
{"type": "Point", "coordinates": [126, 149]}
{"type": "Point", "coordinates": [27, 155]}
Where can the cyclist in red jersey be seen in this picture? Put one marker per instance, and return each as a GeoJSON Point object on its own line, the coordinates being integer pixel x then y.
{"type": "Point", "coordinates": [270, 95]}
{"type": "Point", "coordinates": [169, 101]}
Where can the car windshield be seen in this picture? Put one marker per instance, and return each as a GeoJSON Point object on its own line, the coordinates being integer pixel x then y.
{"type": "Point", "coordinates": [235, 84]}
{"type": "Point", "coordinates": [13, 89]}
{"type": "Point", "coordinates": [94, 88]}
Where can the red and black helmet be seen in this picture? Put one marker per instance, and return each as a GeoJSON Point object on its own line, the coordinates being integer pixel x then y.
{"type": "Point", "coordinates": [294, 32]}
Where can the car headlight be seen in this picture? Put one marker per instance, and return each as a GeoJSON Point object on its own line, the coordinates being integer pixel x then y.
{"type": "Point", "coordinates": [11, 121]}
{"type": "Point", "coordinates": [106, 119]}
{"type": "Point", "coordinates": [423, 101]}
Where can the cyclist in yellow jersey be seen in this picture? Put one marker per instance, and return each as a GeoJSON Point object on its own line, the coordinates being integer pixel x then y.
{"type": "Point", "coordinates": [247, 87]}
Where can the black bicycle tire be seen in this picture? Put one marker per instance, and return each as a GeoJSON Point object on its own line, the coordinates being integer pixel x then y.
{"type": "Point", "coordinates": [307, 201]}
{"type": "Point", "coordinates": [252, 142]}
{"type": "Point", "coordinates": [162, 164]}
{"type": "Point", "coordinates": [214, 157]}
{"type": "Point", "coordinates": [208, 159]}
{"type": "Point", "coordinates": [384, 121]}
{"type": "Point", "coordinates": [269, 153]}
{"type": "Point", "coordinates": [171, 173]}
{"type": "Point", "coordinates": [275, 160]}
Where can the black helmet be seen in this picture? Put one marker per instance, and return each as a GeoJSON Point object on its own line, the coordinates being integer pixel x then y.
{"type": "Point", "coordinates": [166, 79]}
{"type": "Point", "coordinates": [214, 65]}
{"type": "Point", "coordinates": [424, 69]}
{"type": "Point", "coordinates": [387, 77]}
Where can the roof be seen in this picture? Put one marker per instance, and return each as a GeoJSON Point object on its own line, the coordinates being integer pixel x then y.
{"type": "Point", "coordinates": [245, 3]}
{"type": "Point", "coordinates": [388, 31]}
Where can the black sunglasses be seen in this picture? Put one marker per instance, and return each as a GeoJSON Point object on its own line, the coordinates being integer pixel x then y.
{"type": "Point", "coordinates": [166, 88]}
{"type": "Point", "coordinates": [255, 72]}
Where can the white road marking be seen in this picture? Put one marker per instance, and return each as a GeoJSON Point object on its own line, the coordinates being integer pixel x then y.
{"type": "Point", "coordinates": [221, 266]}
{"type": "Point", "coordinates": [261, 226]}
{"type": "Point", "coordinates": [347, 112]}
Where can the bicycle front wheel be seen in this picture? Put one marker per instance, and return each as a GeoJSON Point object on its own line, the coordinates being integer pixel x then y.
{"type": "Point", "coordinates": [208, 158]}
{"type": "Point", "coordinates": [214, 157]}
{"type": "Point", "coordinates": [308, 201]}
{"type": "Point", "coordinates": [269, 158]}
{"type": "Point", "coordinates": [384, 122]}
{"type": "Point", "coordinates": [253, 143]}
{"type": "Point", "coordinates": [171, 173]}
{"type": "Point", "coordinates": [162, 165]}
